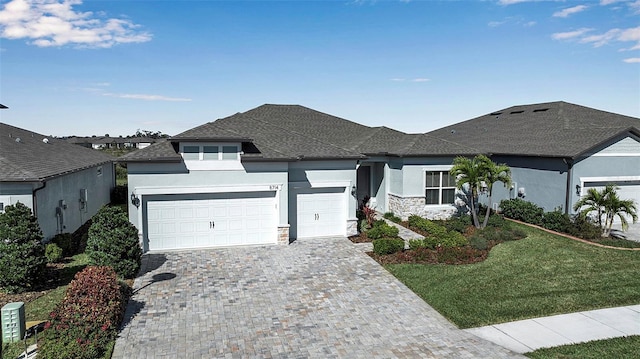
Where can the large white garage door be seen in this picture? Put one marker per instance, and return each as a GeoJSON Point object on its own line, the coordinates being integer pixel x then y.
{"type": "Point", "coordinates": [321, 212]}
{"type": "Point", "coordinates": [210, 220]}
{"type": "Point", "coordinates": [626, 190]}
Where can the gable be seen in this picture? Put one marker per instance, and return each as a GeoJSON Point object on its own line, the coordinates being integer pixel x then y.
{"type": "Point", "coordinates": [628, 146]}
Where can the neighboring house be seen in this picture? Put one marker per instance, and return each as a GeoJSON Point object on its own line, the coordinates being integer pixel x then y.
{"type": "Point", "coordinates": [63, 184]}
{"type": "Point", "coordinates": [102, 142]}
{"type": "Point", "coordinates": [282, 172]}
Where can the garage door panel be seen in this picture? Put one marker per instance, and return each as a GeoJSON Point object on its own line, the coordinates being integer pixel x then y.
{"type": "Point", "coordinates": [210, 220]}
{"type": "Point", "coordinates": [321, 212]}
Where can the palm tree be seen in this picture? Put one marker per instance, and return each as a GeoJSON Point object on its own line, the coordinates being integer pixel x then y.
{"type": "Point", "coordinates": [494, 173]}
{"type": "Point", "coordinates": [615, 206]}
{"type": "Point", "coordinates": [593, 201]}
{"type": "Point", "coordinates": [468, 172]}
{"type": "Point", "coordinates": [607, 203]}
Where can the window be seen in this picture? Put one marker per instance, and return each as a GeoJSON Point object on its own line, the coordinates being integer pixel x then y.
{"type": "Point", "coordinates": [229, 152]}
{"type": "Point", "coordinates": [440, 188]}
{"type": "Point", "coordinates": [209, 152]}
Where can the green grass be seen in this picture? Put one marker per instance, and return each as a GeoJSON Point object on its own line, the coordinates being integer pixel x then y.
{"type": "Point", "coordinates": [541, 275]}
{"type": "Point", "coordinates": [618, 348]}
{"type": "Point", "coordinates": [40, 308]}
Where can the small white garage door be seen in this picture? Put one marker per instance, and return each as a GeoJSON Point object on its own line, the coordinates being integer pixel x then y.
{"type": "Point", "coordinates": [626, 190]}
{"type": "Point", "coordinates": [321, 212]}
{"type": "Point", "coordinates": [210, 220]}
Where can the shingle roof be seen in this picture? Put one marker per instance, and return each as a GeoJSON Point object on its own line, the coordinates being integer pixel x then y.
{"type": "Point", "coordinates": [553, 129]}
{"type": "Point", "coordinates": [24, 156]}
{"type": "Point", "coordinates": [290, 132]}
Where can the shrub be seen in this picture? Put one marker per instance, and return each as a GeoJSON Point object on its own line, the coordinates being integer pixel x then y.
{"type": "Point", "coordinates": [556, 221]}
{"type": "Point", "coordinates": [22, 258]}
{"type": "Point", "coordinates": [382, 229]}
{"type": "Point", "coordinates": [582, 227]}
{"type": "Point", "coordinates": [435, 234]}
{"type": "Point", "coordinates": [87, 319]}
{"type": "Point", "coordinates": [392, 217]}
{"type": "Point", "coordinates": [53, 253]}
{"type": "Point", "coordinates": [113, 241]}
{"type": "Point", "coordinates": [458, 224]}
{"type": "Point", "coordinates": [68, 243]}
{"type": "Point", "coordinates": [384, 246]}
{"type": "Point", "coordinates": [119, 194]}
{"type": "Point", "coordinates": [522, 211]}
{"type": "Point", "coordinates": [497, 221]}
{"type": "Point", "coordinates": [478, 242]}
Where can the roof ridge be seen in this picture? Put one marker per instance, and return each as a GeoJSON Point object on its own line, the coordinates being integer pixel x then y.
{"type": "Point", "coordinates": [242, 114]}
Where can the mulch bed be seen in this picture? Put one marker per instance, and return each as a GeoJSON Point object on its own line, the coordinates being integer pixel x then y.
{"type": "Point", "coordinates": [360, 238]}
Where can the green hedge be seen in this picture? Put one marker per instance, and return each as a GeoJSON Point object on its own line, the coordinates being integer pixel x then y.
{"type": "Point", "coordinates": [384, 246]}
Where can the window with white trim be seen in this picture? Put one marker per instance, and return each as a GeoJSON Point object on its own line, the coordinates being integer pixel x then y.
{"type": "Point", "coordinates": [210, 152]}
{"type": "Point", "coordinates": [440, 188]}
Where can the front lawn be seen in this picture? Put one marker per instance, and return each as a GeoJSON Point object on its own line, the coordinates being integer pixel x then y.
{"type": "Point", "coordinates": [625, 347]}
{"type": "Point", "coordinates": [541, 275]}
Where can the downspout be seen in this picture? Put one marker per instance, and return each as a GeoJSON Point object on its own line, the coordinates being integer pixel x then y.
{"type": "Point", "coordinates": [567, 201]}
{"type": "Point", "coordinates": [35, 200]}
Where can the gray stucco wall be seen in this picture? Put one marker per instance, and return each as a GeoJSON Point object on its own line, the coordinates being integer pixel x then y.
{"type": "Point", "coordinates": [65, 188]}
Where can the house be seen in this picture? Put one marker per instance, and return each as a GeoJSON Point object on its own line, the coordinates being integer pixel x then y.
{"type": "Point", "coordinates": [283, 172]}
{"type": "Point", "coordinates": [101, 142]}
{"type": "Point", "coordinates": [63, 184]}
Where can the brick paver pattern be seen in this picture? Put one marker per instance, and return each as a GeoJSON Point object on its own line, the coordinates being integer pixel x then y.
{"type": "Point", "coordinates": [318, 298]}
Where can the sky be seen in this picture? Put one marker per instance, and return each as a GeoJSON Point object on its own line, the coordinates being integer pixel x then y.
{"type": "Point", "coordinates": [74, 67]}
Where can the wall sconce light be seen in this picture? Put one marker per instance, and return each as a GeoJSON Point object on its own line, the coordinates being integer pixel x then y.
{"type": "Point", "coordinates": [521, 192]}
{"type": "Point", "coordinates": [135, 200]}
{"type": "Point", "coordinates": [578, 188]}
{"type": "Point", "coordinates": [353, 190]}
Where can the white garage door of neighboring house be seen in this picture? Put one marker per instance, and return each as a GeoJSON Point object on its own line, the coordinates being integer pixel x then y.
{"type": "Point", "coordinates": [210, 220]}
{"type": "Point", "coordinates": [321, 212]}
{"type": "Point", "coordinates": [626, 190]}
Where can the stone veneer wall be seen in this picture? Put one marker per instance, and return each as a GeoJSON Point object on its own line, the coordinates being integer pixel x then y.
{"type": "Point", "coordinates": [403, 207]}
{"type": "Point", "coordinates": [283, 235]}
{"type": "Point", "coordinates": [352, 227]}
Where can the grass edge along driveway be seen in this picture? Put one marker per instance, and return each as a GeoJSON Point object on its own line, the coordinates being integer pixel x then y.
{"type": "Point", "coordinates": [541, 275]}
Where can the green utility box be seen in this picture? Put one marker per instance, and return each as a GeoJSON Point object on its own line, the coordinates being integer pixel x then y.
{"type": "Point", "coordinates": [13, 324]}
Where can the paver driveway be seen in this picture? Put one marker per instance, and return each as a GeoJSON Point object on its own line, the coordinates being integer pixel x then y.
{"type": "Point", "coordinates": [320, 298]}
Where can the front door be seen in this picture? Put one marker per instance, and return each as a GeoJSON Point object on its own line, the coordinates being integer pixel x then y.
{"type": "Point", "coordinates": [363, 183]}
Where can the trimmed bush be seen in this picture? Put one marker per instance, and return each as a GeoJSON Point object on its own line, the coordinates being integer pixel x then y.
{"type": "Point", "coordinates": [53, 253]}
{"type": "Point", "coordinates": [384, 246]}
{"type": "Point", "coordinates": [113, 241]}
{"type": "Point", "coordinates": [87, 319]}
{"type": "Point", "coordinates": [556, 221]}
{"type": "Point", "coordinates": [68, 243]}
{"type": "Point", "coordinates": [382, 229]}
{"type": "Point", "coordinates": [392, 217]}
{"type": "Point", "coordinates": [582, 227]}
{"type": "Point", "coordinates": [435, 235]}
{"type": "Point", "coordinates": [22, 257]}
{"type": "Point", "coordinates": [522, 211]}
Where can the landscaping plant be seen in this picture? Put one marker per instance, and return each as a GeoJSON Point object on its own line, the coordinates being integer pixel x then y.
{"type": "Point", "coordinates": [607, 203]}
{"type": "Point", "coordinates": [22, 255]}
{"type": "Point", "coordinates": [53, 253]}
{"type": "Point", "coordinates": [113, 241]}
{"type": "Point", "coordinates": [87, 319]}
{"type": "Point", "coordinates": [384, 246]}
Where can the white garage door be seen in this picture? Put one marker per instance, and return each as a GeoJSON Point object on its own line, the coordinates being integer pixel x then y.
{"type": "Point", "coordinates": [626, 190]}
{"type": "Point", "coordinates": [321, 213]}
{"type": "Point", "coordinates": [210, 220]}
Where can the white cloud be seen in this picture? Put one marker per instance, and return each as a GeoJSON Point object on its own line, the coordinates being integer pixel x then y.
{"type": "Point", "coordinates": [570, 11]}
{"type": "Point", "coordinates": [602, 39]}
{"type": "Point", "coordinates": [421, 80]}
{"type": "Point", "coordinates": [49, 23]}
{"type": "Point", "coordinates": [511, 2]}
{"type": "Point", "coordinates": [495, 23]}
{"type": "Point", "coordinates": [147, 97]}
{"type": "Point", "coordinates": [633, 60]}
{"type": "Point", "coordinates": [570, 34]}
{"type": "Point", "coordinates": [609, 2]}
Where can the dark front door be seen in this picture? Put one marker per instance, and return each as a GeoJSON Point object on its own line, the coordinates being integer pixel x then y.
{"type": "Point", "coordinates": [363, 185]}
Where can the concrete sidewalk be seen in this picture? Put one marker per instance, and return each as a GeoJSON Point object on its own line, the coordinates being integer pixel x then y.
{"type": "Point", "coordinates": [528, 335]}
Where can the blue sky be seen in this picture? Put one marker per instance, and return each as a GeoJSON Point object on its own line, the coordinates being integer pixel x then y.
{"type": "Point", "coordinates": [93, 67]}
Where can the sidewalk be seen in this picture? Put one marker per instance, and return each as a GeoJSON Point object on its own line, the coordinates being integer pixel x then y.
{"type": "Point", "coordinates": [528, 335]}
